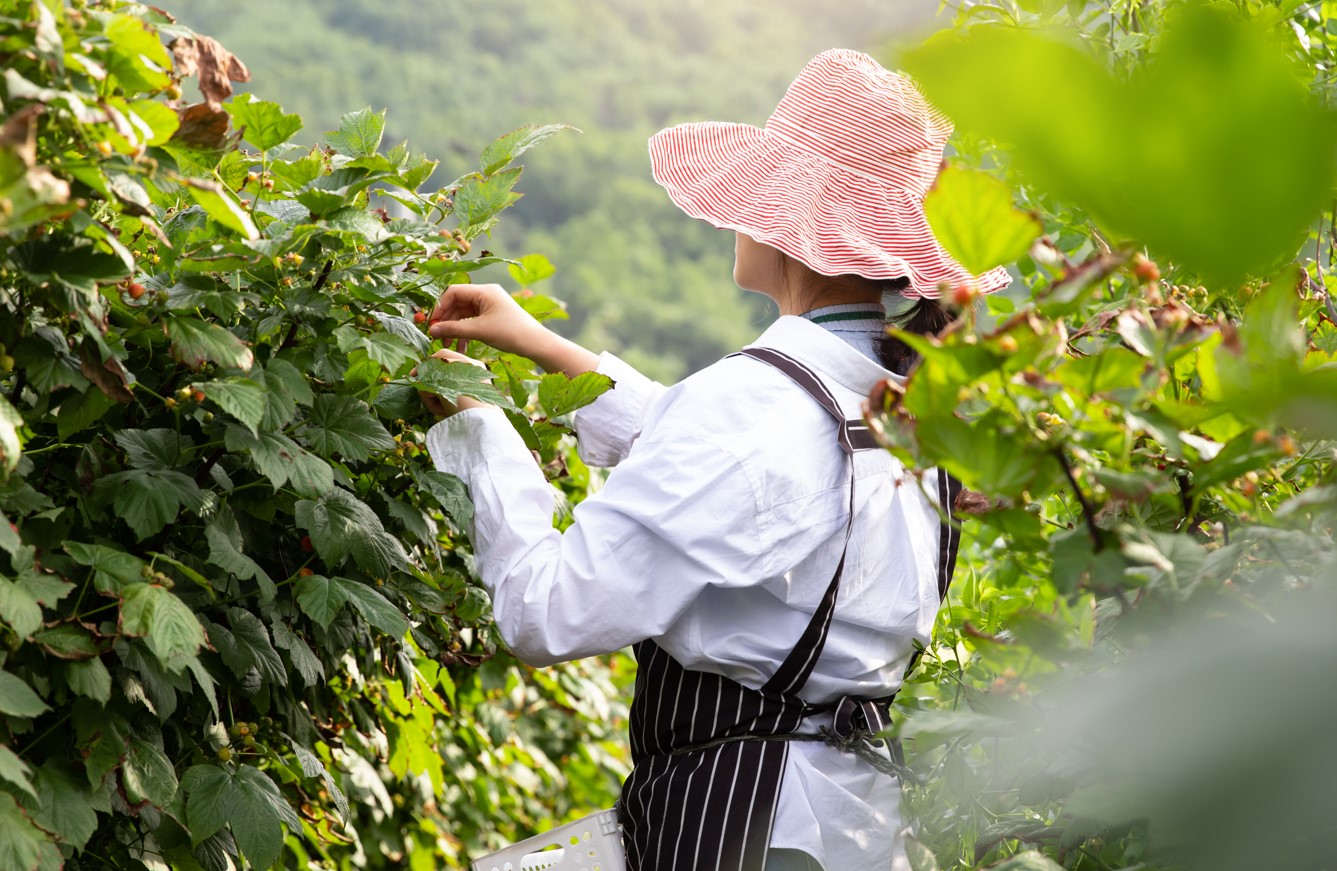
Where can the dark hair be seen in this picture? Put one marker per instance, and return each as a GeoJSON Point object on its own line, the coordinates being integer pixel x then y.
{"type": "Point", "coordinates": [923, 316]}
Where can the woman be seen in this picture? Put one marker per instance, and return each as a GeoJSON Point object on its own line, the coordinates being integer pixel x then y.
{"type": "Point", "coordinates": [772, 569]}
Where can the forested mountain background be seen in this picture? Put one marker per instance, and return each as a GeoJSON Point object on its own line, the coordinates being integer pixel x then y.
{"type": "Point", "coordinates": [640, 278]}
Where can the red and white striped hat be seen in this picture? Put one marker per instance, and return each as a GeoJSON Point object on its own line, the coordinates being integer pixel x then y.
{"type": "Point", "coordinates": [836, 178]}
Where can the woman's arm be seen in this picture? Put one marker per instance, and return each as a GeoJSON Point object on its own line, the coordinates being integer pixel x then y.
{"type": "Point", "coordinates": [677, 516]}
{"type": "Point", "coordinates": [605, 429]}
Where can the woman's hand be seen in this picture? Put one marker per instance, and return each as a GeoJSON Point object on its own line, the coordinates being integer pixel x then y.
{"type": "Point", "coordinates": [487, 313]}
{"type": "Point", "coordinates": [440, 407]}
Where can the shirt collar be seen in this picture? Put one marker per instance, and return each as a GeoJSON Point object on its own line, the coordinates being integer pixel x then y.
{"type": "Point", "coordinates": [827, 353]}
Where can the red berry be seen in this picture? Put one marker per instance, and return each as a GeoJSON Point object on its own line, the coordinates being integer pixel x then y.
{"type": "Point", "coordinates": [198, 396]}
{"type": "Point", "coordinates": [419, 317]}
{"type": "Point", "coordinates": [305, 572]}
{"type": "Point", "coordinates": [964, 294]}
{"type": "Point", "coordinates": [136, 290]}
{"type": "Point", "coordinates": [306, 543]}
{"type": "Point", "coordinates": [1146, 270]}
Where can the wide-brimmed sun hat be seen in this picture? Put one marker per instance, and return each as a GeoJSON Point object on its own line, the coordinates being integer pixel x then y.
{"type": "Point", "coordinates": [836, 178]}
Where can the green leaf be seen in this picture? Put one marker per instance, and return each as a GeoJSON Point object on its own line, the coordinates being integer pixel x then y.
{"type": "Point", "coordinates": [223, 207]}
{"type": "Point", "coordinates": [359, 133]}
{"type": "Point", "coordinates": [345, 426]}
{"type": "Point", "coordinates": [195, 343]}
{"type": "Point", "coordinates": [1111, 369]}
{"type": "Point", "coordinates": [67, 641]}
{"type": "Point", "coordinates": [17, 699]}
{"type": "Point", "coordinates": [374, 608]}
{"type": "Point", "coordinates": [112, 569]}
{"type": "Point", "coordinates": [253, 648]}
{"type": "Point", "coordinates": [312, 767]}
{"type": "Point", "coordinates": [19, 608]}
{"type": "Point", "coordinates": [169, 628]}
{"type": "Point", "coordinates": [149, 499]}
{"type": "Point", "coordinates": [242, 398]}
{"type": "Point", "coordinates": [478, 200]}
{"type": "Point", "coordinates": [10, 446]}
{"type": "Point", "coordinates": [9, 536]}
{"type": "Point", "coordinates": [64, 805]}
{"type": "Point", "coordinates": [389, 350]}
{"type": "Point", "coordinates": [449, 492]}
{"type": "Point", "coordinates": [81, 411]}
{"type": "Point", "coordinates": [14, 770]}
{"type": "Point", "coordinates": [511, 145]}
{"type": "Point", "coordinates": [247, 800]}
{"type": "Point", "coordinates": [148, 775]}
{"type": "Point", "coordinates": [22, 844]}
{"type": "Point", "coordinates": [89, 678]}
{"type": "Point", "coordinates": [263, 124]}
{"type": "Point", "coordinates": [320, 599]}
{"type": "Point", "coordinates": [136, 56]}
{"type": "Point", "coordinates": [282, 460]}
{"type": "Point", "coordinates": [341, 526]}
{"type": "Point", "coordinates": [303, 659]}
{"type": "Point", "coordinates": [1172, 178]}
{"type": "Point", "coordinates": [154, 448]}
{"type": "Point", "coordinates": [561, 395]}
{"type": "Point", "coordinates": [450, 381]}
{"type": "Point", "coordinates": [972, 216]}
{"type": "Point", "coordinates": [285, 388]}
{"type": "Point", "coordinates": [531, 269]}
{"type": "Point", "coordinates": [159, 118]}
{"type": "Point", "coordinates": [225, 551]}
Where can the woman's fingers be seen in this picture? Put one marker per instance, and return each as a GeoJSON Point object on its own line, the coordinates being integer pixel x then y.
{"type": "Point", "coordinates": [455, 357]}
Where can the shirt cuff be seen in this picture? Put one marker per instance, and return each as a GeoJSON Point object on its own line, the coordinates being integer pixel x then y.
{"type": "Point", "coordinates": [467, 442]}
{"type": "Point", "coordinates": [606, 428]}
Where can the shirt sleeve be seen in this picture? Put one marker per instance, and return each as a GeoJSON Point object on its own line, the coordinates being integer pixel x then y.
{"type": "Point", "coordinates": [679, 515]}
{"type": "Point", "coordinates": [607, 427]}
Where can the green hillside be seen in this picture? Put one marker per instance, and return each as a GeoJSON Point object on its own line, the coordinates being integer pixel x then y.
{"type": "Point", "coordinates": [640, 278]}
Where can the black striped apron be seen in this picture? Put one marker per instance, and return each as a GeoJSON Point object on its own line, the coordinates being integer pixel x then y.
{"type": "Point", "coordinates": [708, 752]}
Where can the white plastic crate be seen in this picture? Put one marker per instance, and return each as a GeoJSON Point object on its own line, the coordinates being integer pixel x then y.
{"type": "Point", "coordinates": [591, 843]}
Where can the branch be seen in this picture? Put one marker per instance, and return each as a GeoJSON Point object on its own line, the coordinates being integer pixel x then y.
{"type": "Point", "coordinates": [1088, 512]}
{"type": "Point", "coordinates": [289, 339]}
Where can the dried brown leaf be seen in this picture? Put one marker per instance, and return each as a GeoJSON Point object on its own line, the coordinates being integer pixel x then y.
{"type": "Point", "coordinates": [110, 376]}
{"type": "Point", "coordinates": [203, 127]}
{"type": "Point", "coordinates": [217, 67]}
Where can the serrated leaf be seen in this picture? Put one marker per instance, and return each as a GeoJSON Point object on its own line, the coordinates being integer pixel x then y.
{"type": "Point", "coordinates": [345, 426]}
{"type": "Point", "coordinates": [147, 774]}
{"type": "Point", "coordinates": [154, 448]}
{"type": "Point", "coordinates": [14, 770]}
{"type": "Point", "coordinates": [359, 133]}
{"type": "Point", "coordinates": [374, 607]}
{"type": "Point", "coordinates": [252, 648]}
{"type": "Point", "coordinates": [509, 146]}
{"type": "Point", "coordinates": [450, 381]}
{"type": "Point", "coordinates": [312, 767]}
{"type": "Point", "coordinates": [256, 816]}
{"type": "Point", "coordinates": [282, 460]}
{"type": "Point", "coordinates": [149, 499]}
{"type": "Point", "coordinates": [19, 608]}
{"type": "Point", "coordinates": [390, 351]}
{"type": "Point", "coordinates": [81, 411]}
{"type": "Point", "coordinates": [67, 641]}
{"type": "Point", "coordinates": [226, 551]}
{"type": "Point", "coordinates": [9, 536]}
{"type": "Point", "coordinates": [284, 387]}
{"type": "Point", "coordinates": [208, 798]}
{"type": "Point", "coordinates": [112, 569]}
{"type": "Point", "coordinates": [561, 395]}
{"type": "Point", "coordinates": [406, 330]}
{"type": "Point", "coordinates": [22, 844]}
{"type": "Point", "coordinates": [342, 526]}
{"type": "Point", "coordinates": [972, 216]}
{"type": "Point", "coordinates": [64, 805]}
{"type": "Point", "coordinates": [320, 599]}
{"type": "Point", "coordinates": [89, 678]}
{"type": "Point", "coordinates": [480, 199]}
{"type": "Point", "coordinates": [531, 269]}
{"type": "Point", "coordinates": [223, 207]}
{"type": "Point", "coordinates": [195, 343]}
{"type": "Point", "coordinates": [169, 628]}
{"type": "Point", "coordinates": [136, 55]}
{"type": "Point", "coordinates": [449, 492]}
{"type": "Point", "coordinates": [17, 699]}
{"type": "Point", "coordinates": [242, 398]}
{"type": "Point", "coordinates": [263, 124]}
{"type": "Point", "coordinates": [303, 659]}
{"type": "Point", "coordinates": [161, 121]}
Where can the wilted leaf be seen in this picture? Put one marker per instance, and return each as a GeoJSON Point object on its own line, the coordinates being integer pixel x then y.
{"type": "Point", "coordinates": [195, 342]}
{"type": "Point", "coordinates": [217, 67]}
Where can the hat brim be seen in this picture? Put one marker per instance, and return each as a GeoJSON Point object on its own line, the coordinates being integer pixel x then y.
{"type": "Point", "coordinates": [834, 219]}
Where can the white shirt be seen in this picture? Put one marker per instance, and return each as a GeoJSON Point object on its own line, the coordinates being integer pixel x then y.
{"type": "Point", "coordinates": [716, 535]}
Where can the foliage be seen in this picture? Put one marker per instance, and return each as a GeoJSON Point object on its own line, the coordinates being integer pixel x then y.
{"type": "Point", "coordinates": [237, 616]}
{"type": "Point", "coordinates": [1148, 447]}
{"type": "Point", "coordinates": [641, 281]}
